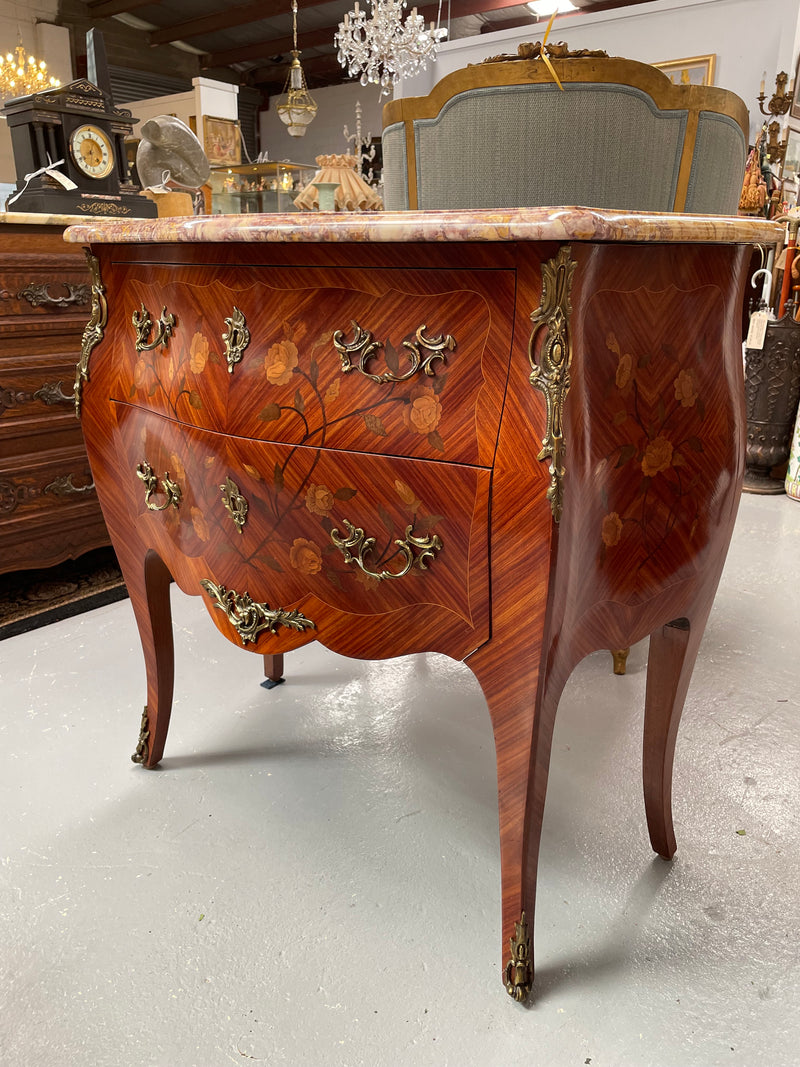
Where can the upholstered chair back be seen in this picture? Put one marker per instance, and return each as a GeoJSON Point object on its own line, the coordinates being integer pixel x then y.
{"type": "Point", "coordinates": [619, 135]}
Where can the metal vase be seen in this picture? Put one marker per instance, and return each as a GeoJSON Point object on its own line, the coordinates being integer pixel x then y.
{"type": "Point", "coordinates": [772, 392]}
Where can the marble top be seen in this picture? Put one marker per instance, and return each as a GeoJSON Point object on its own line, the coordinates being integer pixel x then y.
{"type": "Point", "coordinates": [514, 224]}
{"type": "Point", "coordinates": [42, 218]}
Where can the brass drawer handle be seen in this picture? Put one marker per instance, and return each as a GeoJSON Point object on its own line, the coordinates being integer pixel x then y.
{"type": "Point", "coordinates": [172, 490]}
{"type": "Point", "coordinates": [248, 617]}
{"type": "Point", "coordinates": [415, 550]}
{"type": "Point", "coordinates": [38, 294]}
{"type": "Point", "coordinates": [50, 393]}
{"type": "Point", "coordinates": [143, 324]}
{"type": "Point", "coordinates": [64, 486]}
{"type": "Point", "coordinates": [364, 347]}
{"type": "Point", "coordinates": [236, 338]}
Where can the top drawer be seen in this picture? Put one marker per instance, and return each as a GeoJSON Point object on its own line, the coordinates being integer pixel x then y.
{"type": "Point", "coordinates": [407, 363]}
{"type": "Point", "coordinates": [44, 288]}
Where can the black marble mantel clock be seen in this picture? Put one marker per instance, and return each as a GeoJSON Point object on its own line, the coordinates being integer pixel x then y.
{"type": "Point", "coordinates": [69, 148]}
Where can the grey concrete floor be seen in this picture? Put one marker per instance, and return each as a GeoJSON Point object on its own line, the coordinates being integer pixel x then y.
{"type": "Point", "coordinates": [312, 877]}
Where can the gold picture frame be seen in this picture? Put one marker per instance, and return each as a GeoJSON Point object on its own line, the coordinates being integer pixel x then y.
{"type": "Point", "coordinates": [222, 141]}
{"type": "Point", "coordinates": [694, 70]}
{"type": "Point", "coordinates": [790, 167]}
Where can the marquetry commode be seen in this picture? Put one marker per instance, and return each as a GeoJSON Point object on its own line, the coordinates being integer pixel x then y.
{"type": "Point", "coordinates": [513, 437]}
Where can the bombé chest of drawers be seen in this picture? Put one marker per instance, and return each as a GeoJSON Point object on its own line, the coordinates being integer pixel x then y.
{"type": "Point", "coordinates": [48, 506]}
{"type": "Point", "coordinates": [512, 437]}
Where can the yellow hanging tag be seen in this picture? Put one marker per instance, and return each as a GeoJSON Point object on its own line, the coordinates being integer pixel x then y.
{"type": "Point", "coordinates": [546, 57]}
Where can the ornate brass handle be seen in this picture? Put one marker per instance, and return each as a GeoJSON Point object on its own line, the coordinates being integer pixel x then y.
{"type": "Point", "coordinates": [415, 550]}
{"type": "Point", "coordinates": [49, 393]}
{"type": "Point", "coordinates": [172, 490]}
{"type": "Point", "coordinates": [248, 617]}
{"type": "Point", "coordinates": [236, 338]}
{"type": "Point", "coordinates": [38, 294]}
{"type": "Point", "coordinates": [364, 347]}
{"type": "Point", "coordinates": [143, 324]}
{"type": "Point", "coordinates": [64, 486]}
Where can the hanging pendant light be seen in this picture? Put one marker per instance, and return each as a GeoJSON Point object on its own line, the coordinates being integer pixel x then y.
{"type": "Point", "coordinates": [298, 109]}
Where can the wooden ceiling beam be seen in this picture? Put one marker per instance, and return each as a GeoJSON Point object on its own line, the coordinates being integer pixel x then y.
{"type": "Point", "coordinates": [226, 18]}
{"type": "Point", "coordinates": [102, 9]}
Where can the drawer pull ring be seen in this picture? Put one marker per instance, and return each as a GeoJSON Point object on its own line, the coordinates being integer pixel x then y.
{"type": "Point", "coordinates": [236, 338]}
{"type": "Point", "coordinates": [249, 618]}
{"type": "Point", "coordinates": [38, 293]}
{"type": "Point", "coordinates": [93, 332]}
{"type": "Point", "coordinates": [143, 324]}
{"type": "Point", "coordinates": [64, 486]}
{"type": "Point", "coordinates": [364, 347]}
{"type": "Point", "coordinates": [172, 490]}
{"type": "Point", "coordinates": [362, 546]}
{"type": "Point", "coordinates": [234, 502]}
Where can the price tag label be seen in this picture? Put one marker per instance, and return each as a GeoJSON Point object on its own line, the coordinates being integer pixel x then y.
{"type": "Point", "coordinates": [758, 329]}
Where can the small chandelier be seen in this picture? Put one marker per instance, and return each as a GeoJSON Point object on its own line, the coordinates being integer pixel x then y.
{"type": "Point", "coordinates": [299, 109]}
{"type": "Point", "coordinates": [23, 75]}
{"type": "Point", "coordinates": [383, 49]}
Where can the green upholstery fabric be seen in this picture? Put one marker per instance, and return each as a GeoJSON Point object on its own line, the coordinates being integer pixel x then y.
{"type": "Point", "coordinates": [393, 143]}
{"type": "Point", "coordinates": [526, 145]}
{"type": "Point", "coordinates": [720, 151]}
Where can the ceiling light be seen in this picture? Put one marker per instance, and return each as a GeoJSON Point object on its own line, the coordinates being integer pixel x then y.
{"type": "Point", "coordinates": [551, 7]}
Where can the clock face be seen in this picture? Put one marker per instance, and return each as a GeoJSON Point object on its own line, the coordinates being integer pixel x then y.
{"type": "Point", "coordinates": [92, 151]}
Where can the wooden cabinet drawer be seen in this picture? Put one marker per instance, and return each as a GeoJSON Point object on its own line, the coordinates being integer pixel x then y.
{"type": "Point", "coordinates": [44, 287]}
{"type": "Point", "coordinates": [429, 520]}
{"type": "Point", "coordinates": [311, 346]}
{"type": "Point", "coordinates": [36, 393]}
{"type": "Point", "coordinates": [51, 481]}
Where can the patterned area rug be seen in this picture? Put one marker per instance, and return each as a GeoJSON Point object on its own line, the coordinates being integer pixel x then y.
{"type": "Point", "coordinates": [29, 599]}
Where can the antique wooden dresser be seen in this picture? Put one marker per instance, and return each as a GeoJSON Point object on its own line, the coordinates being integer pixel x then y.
{"type": "Point", "coordinates": [513, 437]}
{"type": "Point", "coordinates": [48, 507]}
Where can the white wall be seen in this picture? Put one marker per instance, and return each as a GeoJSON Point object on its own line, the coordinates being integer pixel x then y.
{"type": "Point", "coordinates": [747, 37]}
{"type": "Point", "coordinates": [207, 97]}
{"type": "Point", "coordinates": [337, 109]}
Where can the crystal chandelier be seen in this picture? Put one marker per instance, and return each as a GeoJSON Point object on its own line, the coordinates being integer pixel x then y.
{"type": "Point", "coordinates": [23, 75]}
{"type": "Point", "coordinates": [298, 109]}
{"type": "Point", "coordinates": [383, 49]}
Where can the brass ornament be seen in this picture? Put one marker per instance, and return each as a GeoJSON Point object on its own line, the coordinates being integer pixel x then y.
{"type": "Point", "coordinates": [234, 502]}
{"type": "Point", "coordinates": [93, 332]}
{"type": "Point", "coordinates": [364, 347]}
{"type": "Point", "coordinates": [63, 485]}
{"type": "Point", "coordinates": [143, 744]}
{"type": "Point", "coordinates": [417, 551]}
{"type": "Point", "coordinates": [250, 618]}
{"type": "Point", "coordinates": [162, 330]}
{"type": "Point", "coordinates": [38, 295]}
{"type": "Point", "coordinates": [551, 373]}
{"type": "Point", "coordinates": [236, 338]}
{"type": "Point", "coordinates": [171, 490]}
{"type": "Point", "coordinates": [518, 978]}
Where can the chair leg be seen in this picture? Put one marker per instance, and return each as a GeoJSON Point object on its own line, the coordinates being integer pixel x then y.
{"type": "Point", "coordinates": [673, 651]}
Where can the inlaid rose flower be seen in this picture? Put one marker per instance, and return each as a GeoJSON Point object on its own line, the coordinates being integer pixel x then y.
{"type": "Point", "coordinates": [422, 415]}
{"type": "Point", "coordinates": [685, 389]}
{"type": "Point", "coordinates": [657, 456]}
{"type": "Point", "coordinates": [305, 556]}
{"type": "Point", "coordinates": [611, 529]}
{"type": "Point", "coordinates": [319, 499]}
{"type": "Point", "coordinates": [140, 373]}
{"type": "Point", "coordinates": [198, 353]}
{"type": "Point", "coordinates": [279, 362]}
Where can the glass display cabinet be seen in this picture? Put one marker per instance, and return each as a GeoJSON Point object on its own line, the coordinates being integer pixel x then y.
{"type": "Point", "coordinates": [255, 188]}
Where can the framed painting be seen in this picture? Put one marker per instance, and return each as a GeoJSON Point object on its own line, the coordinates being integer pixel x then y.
{"type": "Point", "coordinates": [222, 141]}
{"type": "Point", "coordinates": [795, 111]}
{"type": "Point", "coordinates": [791, 160]}
{"type": "Point", "coordinates": [696, 70]}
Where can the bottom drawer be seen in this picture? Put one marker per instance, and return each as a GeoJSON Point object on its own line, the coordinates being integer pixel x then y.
{"type": "Point", "coordinates": [330, 534]}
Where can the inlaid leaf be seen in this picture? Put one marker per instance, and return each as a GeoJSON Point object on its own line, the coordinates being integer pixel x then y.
{"type": "Point", "coordinates": [270, 413]}
{"type": "Point", "coordinates": [695, 444]}
{"type": "Point", "coordinates": [153, 389]}
{"type": "Point", "coordinates": [313, 372]}
{"type": "Point", "coordinates": [277, 478]}
{"type": "Point", "coordinates": [195, 401]}
{"type": "Point", "coordinates": [620, 417]}
{"type": "Point", "coordinates": [334, 579]}
{"type": "Point", "coordinates": [438, 383]}
{"type": "Point", "coordinates": [644, 360]}
{"type": "Point", "coordinates": [386, 518]}
{"type": "Point", "coordinates": [270, 561]}
{"type": "Point", "coordinates": [435, 441]}
{"type": "Point", "coordinates": [133, 390]}
{"type": "Point", "coordinates": [391, 357]}
{"type": "Point", "coordinates": [252, 472]}
{"type": "Point", "coordinates": [374, 424]}
{"type": "Point", "coordinates": [345, 493]}
{"type": "Point", "coordinates": [299, 403]}
{"type": "Point", "coordinates": [427, 522]}
{"type": "Point", "coordinates": [332, 391]}
{"type": "Point", "coordinates": [288, 330]}
{"type": "Point", "coordinates": [626, 453]}
{"type": "Point", "coordinates": [326, 523]}
{"type": "Point", "coordinates": [214, 357]}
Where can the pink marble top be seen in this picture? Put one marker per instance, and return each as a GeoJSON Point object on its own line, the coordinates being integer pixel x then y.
{"type": "Point", "coordinates": [514, 224]}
